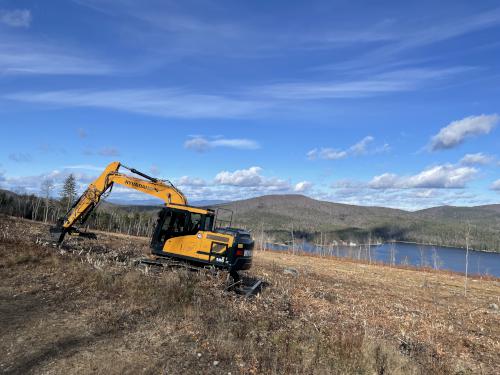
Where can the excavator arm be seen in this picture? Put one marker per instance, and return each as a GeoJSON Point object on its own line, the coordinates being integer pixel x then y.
{"type": "Point", "coordinates": [83, 207]}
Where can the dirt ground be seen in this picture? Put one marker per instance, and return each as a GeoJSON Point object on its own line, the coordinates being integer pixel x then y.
{"type": "Point", "coordinates": [88, 309]}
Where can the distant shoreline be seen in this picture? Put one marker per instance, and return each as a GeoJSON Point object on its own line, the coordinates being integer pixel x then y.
{"type": "Point", "coordinates": [448, 246]}
{"type": "Point", "coordinates": [403, 242]}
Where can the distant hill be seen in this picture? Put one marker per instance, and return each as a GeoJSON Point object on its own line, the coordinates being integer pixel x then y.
{"type": "Point", "coordinates": [276, 215]}
{"type": "Point", "coordinates": [307, 213]}
{"type": "Point", "coordinates": [490, 207]}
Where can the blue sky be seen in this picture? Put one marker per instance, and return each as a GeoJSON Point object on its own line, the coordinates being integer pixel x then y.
{"type": "Point", "coordinates": [387, 103]}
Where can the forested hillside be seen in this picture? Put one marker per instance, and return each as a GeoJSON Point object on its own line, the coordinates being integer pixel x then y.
{"type": "Point", "coordinates": [278, 215]}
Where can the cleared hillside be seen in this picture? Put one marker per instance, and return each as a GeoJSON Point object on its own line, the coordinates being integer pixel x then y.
{"type": "Point", "coordinates": [88, 309]}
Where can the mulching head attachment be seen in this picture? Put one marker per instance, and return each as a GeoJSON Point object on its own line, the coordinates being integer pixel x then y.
{"type": "Point", "coordinates": [57, 234]}
{"type": "Point", "coordinates": [246, 286]}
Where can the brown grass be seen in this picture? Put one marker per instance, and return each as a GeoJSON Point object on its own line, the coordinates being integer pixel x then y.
{"type": "Point", "coordinates": [89, 310]}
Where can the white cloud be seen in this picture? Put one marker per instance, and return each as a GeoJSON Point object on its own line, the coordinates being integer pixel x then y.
{"type": "Point", "coordinates": [385, 181]}
{"type": "Point", "coordinates": [31, 184]}
{"type": "Point", "coordinates": [476, 159]}
{"type": "Point", "coordinates": [437, 177]}
{"type": "Point", "coordinates": [250, 177]}
{"type": "Point", "coordinates": [241, 177]}
{"type": "Point", "coordinates": [496, 185]}
{"type": "Point", "coordinates": [409, 199]}
{"type": "Point", "coordinates": [16, 17]}
{"type": "Point", "coordinates": [198, 144]}
{"type": "Point", "coordinates": [457, 132]}
{"type": "Point", "coordinates": [360, 147]}
{"type": "Point", "coordinates": [190, 181]}
{"type": "Point", "coordinates": [302, 186]}
{"type": "Point", "coordinates": [357, 149]}
{"type": "Point", "coordinates": [170, 103]}
{"type": "Point", "coordinates": [326, 153]}
{"type": "Point", "coordinates": [442, 176]}
{"type": "Point", "coordinates": [202, 144]}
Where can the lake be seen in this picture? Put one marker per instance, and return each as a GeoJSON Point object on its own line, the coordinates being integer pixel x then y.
{"type": "Point", "coordinates": [399, 253]}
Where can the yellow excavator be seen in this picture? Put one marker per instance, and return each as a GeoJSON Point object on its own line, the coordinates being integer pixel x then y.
{"type": "Point", "coordinates": [182, 232]}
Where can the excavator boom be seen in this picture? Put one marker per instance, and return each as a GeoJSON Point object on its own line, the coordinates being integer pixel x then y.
{"type": "Point", "coordinates": [83, 207]}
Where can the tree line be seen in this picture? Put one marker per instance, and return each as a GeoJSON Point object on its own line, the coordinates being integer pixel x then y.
{"type": "Point", "coordinates": [48, 209]}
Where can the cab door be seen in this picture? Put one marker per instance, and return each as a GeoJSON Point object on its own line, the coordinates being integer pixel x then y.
{"type": "Point", "coordinates": [175, 232]}
{"type": "Point", "coordinates": [186, 240]}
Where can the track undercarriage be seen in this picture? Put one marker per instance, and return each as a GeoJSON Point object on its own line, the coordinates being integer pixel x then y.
{"type": "Point", "coordinates": [243, 285]}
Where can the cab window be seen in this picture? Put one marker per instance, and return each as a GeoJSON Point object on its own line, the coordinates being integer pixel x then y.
{"type": "Point", "coordinates": [208, 223]}
{"type": "Point", "coordinates": [183, 223]}
{"type": "Point", "coordinates": [195, 223]}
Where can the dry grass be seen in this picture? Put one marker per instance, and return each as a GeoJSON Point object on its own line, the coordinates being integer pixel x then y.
{"type": "Point", "coordinates": [88, 310]}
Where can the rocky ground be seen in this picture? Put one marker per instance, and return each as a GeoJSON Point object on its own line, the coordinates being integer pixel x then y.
{"type": "Point", "coordinates": [88, 309]}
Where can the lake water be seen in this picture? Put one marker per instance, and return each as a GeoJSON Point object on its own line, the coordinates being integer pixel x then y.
{"type": "Point", "coordinates": [444, 258]}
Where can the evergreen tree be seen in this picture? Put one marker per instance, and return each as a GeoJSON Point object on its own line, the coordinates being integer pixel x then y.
{"type": "Point", "coordinates": [68, 192]}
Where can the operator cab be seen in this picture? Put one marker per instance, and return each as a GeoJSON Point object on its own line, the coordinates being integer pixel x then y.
{"type": "Point", "coordinates": [223, 247]}
{"type": "Point", "coordinates": [176, 222]}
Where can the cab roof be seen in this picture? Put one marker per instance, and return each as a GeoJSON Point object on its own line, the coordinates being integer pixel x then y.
{"type": "Point", "coordinates": [196, 210]}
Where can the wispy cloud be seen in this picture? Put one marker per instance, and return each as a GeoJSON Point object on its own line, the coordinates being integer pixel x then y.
{"type": "Point", "coordinates": [388, 82]}
{"type": "Point", "coordinates": [202, 144]}
{"type": "Point", "coordinates": [20, 56]}
{"type": "Point", "coordinates": [163, 103]}
{"type": "Point", "coordinates": [16, 17]}
{"type": "Point", "coordinates": [326, 153]}
{"type": "Point", "coordinates": [88, 167]}
{"type": "Point", "coordinates": [411, 37]}
{"type": "Point", "coordinates": [359, 148]}
{"type": "Point", "coordinates": [457, 132]}
{"type": "Point", "coordinates": [477, 159]}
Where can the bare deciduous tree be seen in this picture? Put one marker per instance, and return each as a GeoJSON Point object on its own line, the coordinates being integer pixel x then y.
{"type": "Point", "coordinates": [46, 189]}
{"type": "Point", "coordinates": [467, 240]}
